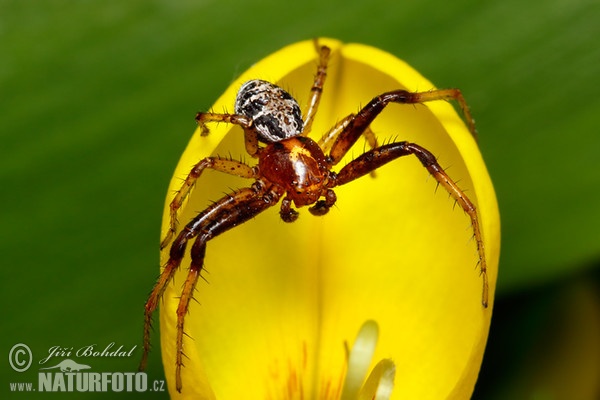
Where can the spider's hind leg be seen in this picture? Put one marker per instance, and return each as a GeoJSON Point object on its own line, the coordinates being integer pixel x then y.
{"type": "Point", "coordinates": [317, 88]}
{"type": "Point", "coordinates": [250, 134]}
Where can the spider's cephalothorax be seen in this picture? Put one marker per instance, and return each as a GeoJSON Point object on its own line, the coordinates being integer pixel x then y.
{"type": "Point", "coordinates": [292, 168]}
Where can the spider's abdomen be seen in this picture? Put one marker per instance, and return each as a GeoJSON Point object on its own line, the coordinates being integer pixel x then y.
{"type": "Point", "coordinates": [274, 112]}
{"type": "Point", "coordinates": [299, 166]}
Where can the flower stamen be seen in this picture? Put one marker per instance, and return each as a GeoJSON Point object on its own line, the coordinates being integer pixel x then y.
{"type": "Point", "coordinates": [379, 383]}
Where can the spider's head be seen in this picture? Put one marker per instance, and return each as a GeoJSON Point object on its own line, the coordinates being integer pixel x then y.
{"type": "Point", "coordinates": [275, 114]}
{"type": "Point", "coordinates": [299, 166]}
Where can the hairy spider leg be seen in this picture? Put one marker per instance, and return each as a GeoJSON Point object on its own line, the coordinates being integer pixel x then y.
{"type": "Point", "coordinates": [327, 140]}
{"type": "Point", "coordinates": [228, 212]}
{"type": "Point", "coordinates": [317, 88]}
{"type": "Point", "coordinates": [152, 302]}
{"type": "Point", "coordinates": [250, 134]}
{"type": "Point", "coordinates": [228, 166]}
{"type": "Point", "coordinates": [449, 94]}
{"type": "Point", "coordinates": [220, 164]}
{"type": "Point", "coordinates": [358, 123]}
{"type": "Point", "coordinates": [375, 158]}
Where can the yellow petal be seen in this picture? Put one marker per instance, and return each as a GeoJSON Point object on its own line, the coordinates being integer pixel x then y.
{"type": "Point", "coordinates": [415, 259]}
{"type": "Point", "coordinates": [282, 299]}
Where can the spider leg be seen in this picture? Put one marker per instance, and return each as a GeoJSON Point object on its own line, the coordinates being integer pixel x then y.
{"type": "Point", "coordinates": [219, 217]}
{"type": "Point", "coordinates": [225, 165]}
{"type": "Point", "coordinates": [361, 121]}
{"type": "Point", "coordinates": [328, 139]}
{"type": "Point", "coordinates": [250, 135]}
{"type": "Point", "coordinates": [375, 158]}
{"type": "Point", "coordinates": [449, 94]}
{"type": "Point", "coordinates": [287, 213]}
{"type": "Point", "coordinates": [320, 207]}
{"type": "Point", "coordinates": [317, 88]}
{"type": "Point", "coordinates": [187, 293]}
{"type": "Point", "coordinates": [155, 295]}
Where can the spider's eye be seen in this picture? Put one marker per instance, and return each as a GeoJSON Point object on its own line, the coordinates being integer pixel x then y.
{"type": "Point", "coordinates": [274, 112]}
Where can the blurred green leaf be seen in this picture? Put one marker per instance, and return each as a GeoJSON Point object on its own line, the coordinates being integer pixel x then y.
{"type": "Point", "coordinates": [545, 346]}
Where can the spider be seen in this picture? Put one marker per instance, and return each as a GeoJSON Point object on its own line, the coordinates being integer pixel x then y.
{"type": "Point", "coordinates": [293, 170]}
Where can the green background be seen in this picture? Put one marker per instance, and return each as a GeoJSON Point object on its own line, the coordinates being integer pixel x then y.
{"type": "Point", "coordinates": [97, 100]}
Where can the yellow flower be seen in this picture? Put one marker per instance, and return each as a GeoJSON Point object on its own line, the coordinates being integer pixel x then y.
{"type": "Point", "coordinates": [283, 303]}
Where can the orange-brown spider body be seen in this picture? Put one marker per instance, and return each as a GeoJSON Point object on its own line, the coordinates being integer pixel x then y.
{"type": "Point", "coordinates": [292, 168]}
{"type": "Point", "coordinates": [299, 166]}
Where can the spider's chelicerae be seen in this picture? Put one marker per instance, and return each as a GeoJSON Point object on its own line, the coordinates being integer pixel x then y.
{"type": "Point", "coordinates": [292, 168]}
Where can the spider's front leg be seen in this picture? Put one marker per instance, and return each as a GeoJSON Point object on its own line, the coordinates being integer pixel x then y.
{"type": "Point", "coordinates": [226, 213]}
{"type": "Point", "coordinates": [225, 165]}
{"type": "Point", "coordinates": [358, 124]}
{"type": "Point", "coordinates": [375, 158]}
{"type": "Point", "coordinates": [328, 139]}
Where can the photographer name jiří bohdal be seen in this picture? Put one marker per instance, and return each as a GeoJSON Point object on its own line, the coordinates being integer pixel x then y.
{"type": "Point", "coordinates": [72, 369]}
{"type": "Point", "coordinates": [92, 350]}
